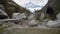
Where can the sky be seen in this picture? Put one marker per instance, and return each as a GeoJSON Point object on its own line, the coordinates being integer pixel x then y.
{"type": "Point", "coordinates": [32, 5]}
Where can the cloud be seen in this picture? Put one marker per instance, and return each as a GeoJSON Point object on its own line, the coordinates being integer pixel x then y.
{"type": "Point", "coordinates": [31, 4]}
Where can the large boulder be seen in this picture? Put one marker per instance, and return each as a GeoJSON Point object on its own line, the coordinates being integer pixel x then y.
{"type": "Point", "coordinates": [58, 16]}
{"type": "Point", "coordinates": [1, 6]}
{"type": "Point", "coordinates": [42, 16]}
{"type": "Point", "coordinates": [19, 15]}
{"type": "Point", "coordinates": [3, 15]}
{"type": "Point", "coordinates": [15, 15]}
{"type": "Point", "coordinates": [31, 16]}
{"type": "Point", "coordinates": [32, 23]}
{"type": "Point", "coordinates": [53, 23]}
{"type": "Point", "coordinates": [3, 12]}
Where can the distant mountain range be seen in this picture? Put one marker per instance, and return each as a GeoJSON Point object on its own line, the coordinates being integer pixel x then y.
{"type": "Point", "coordinates": [31, 5]}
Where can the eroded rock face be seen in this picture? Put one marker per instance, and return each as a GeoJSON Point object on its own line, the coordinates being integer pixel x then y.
{"type": "Point", "coordinates": [54, 4]}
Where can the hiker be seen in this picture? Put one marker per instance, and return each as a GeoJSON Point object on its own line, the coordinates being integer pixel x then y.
{"type": "Point", "coordinates": [50, 12]}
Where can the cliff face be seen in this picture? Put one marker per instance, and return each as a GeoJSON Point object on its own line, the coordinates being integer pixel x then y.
{"type": "Point", "coordinates": [55, 4]}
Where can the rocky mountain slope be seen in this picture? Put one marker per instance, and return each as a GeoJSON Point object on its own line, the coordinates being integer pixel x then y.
{"type": "Point", "coordinates": [10, 7]}
{"type": "Point", "coordinates": [55, 4]}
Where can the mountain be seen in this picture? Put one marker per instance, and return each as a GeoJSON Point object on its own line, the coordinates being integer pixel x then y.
{"type": "Point", "coordinates": [55, 4]}
{"type": "Point", "coordinates": [11, 7]}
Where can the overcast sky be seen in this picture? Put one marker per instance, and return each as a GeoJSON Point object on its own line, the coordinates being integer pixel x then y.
{"type": "Point", "coordinates": [31, 4]}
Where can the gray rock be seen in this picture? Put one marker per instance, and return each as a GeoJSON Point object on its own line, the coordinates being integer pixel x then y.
{"type": "Point", "coordinates": [42, 27]}
{"type": "Point", "coordinates": [42, 16]}
{"type": "Point", "coordinates": [19, 15]}
{"type": "Point", "coordinates": [32, 22]}
{"type": "Point", "coordinates": [32, 16]}
{"type": "Point", "coordinates": [53, 23]}
{"type": "Point", "coordinates": [1, 6]}
{"type": "Point", "coordinates": [58, 16]}
{"type": "Point", "coordinates": [15, 15]}
{"type": "Point", "coordinates": [3, 12]}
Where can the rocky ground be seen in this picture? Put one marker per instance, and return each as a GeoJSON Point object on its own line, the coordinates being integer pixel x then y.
{"type": "Point", "coordinates": [12, 28]}
{"type": "Point", "coordinates": [19, 29]}
{"type": "Point", "coordinates": [31, 26]}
